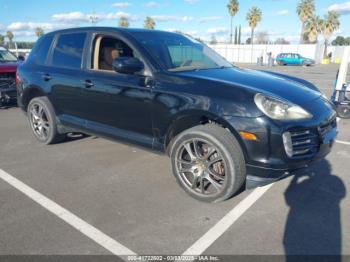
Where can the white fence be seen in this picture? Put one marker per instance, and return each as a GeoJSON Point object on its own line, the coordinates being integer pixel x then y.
{"type": "Point", "coordinates": [250, 54]}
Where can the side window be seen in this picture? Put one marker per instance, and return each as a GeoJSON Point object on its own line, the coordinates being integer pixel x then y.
{"type": "Point", "coordinates": [106, 49]}
{"type": "Point", "coordinates": [68, 51]}
{"type": "Point", "coordinates": [41, 49]}
{"type": "Point", "coordinates": [180, 55]}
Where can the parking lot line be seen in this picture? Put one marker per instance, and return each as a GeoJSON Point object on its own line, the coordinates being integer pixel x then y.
{"type": "Point", "coordinates": [226, 222]}
{"type": "Point", "coordinates": [342, 142]}
{"type": "Point", "coordinates": [88, 230]}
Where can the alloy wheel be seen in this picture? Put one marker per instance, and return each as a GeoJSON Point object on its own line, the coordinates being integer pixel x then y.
{"type": "Point", "coordinates": [201, 167]}
{"type": "Point", "coordinates": [39, 121]}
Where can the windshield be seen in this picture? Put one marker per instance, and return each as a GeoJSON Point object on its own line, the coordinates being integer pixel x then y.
{"type": "Point", "coordinates": [6, 56]}
{"type": "Point", "coordinates": [177, 52]}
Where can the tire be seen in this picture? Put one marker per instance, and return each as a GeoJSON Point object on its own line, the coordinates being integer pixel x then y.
{"type": "Point", "coordinates": [343, 111]}
{"type": "Point", "coordinates": [42, 120]}
{"type": "Point", "coordinates": [201, 170]}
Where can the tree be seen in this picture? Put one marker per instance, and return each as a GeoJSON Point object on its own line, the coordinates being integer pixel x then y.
{"type": "Point", "coordinates": [39, 31]}
{"type": "Point", "coordinates": [2, 39]}
{"type": "Point", "coordinates": [341, 41]}
{"type": "Point", "coordinates": [213, 40]}
{"type": "Point", "coordinates": [281, 41]}
{"type": "Point", "coordinates": [199, 40]}
{"type": "Point", "coordinates": [248, 41]}
{"type": "Point", "coordinates": [312, 28]}
{"type": "Point", "coordinates": [239, 34]}
{"type": "Point", "coordinates": [262, 38]}
{"type": "Point", "coordinates": [149, 23]}
{"type": "Point", "coordinates": [236, 36]}
{"type": "Point", "coordinates": [328, 25]}
{"type": "Point", "coordinates": [233, 7]}
{"type": "Point", "coordinates": [254, 16]}
{"type": "Point", "coordinates": [305, 11]}
{"type": "Point", "coordinates": [123, 22]}
{"type": "Point", "coordinates": [10, 37]}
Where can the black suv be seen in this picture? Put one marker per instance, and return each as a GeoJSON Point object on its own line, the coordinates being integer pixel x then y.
{"type": "Point", "coordinates": [220, 124]}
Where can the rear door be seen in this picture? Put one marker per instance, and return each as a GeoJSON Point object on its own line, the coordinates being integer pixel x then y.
{"type": "Point", "coordinates": [298, 59]}
{"type": "Point", "coordinates": [64, 77]}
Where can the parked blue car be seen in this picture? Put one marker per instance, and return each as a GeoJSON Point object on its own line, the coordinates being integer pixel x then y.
{"type": "Point", "coordinates": [284, 59]}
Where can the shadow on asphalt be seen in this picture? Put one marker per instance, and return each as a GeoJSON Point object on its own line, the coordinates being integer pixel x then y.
{"type": "Point", "coordinates": [314, 225]}
{"type": "Point", "coordinates": [70, 137]}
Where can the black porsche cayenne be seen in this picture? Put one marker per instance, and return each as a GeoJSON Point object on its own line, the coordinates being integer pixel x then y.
{"type": "Point", "coordinates": [222, 126]}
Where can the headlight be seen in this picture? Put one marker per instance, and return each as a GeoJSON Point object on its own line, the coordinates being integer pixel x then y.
{"type": "Point", "coordinates": [280, 110]}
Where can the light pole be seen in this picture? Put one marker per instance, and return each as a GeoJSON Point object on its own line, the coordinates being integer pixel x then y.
{"type": "Point", "coordinates": [93, 18]}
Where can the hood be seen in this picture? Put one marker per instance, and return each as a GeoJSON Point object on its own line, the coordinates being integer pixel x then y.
{"type": "Point", "coordinates": [259, 82]}
{"type": "Point", "coordinates": [8, 67]}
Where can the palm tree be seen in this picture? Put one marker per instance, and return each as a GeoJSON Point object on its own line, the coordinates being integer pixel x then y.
{"type": "Point", "coordinates": [313, 28]}
{"type": "Point", "coordinates": [2, 40]}
{"type": "Point", "coordinates": [149, 23]}
{"type": "Point", "coordinates": [254, 16]}
{"type": "Point", "coordinates": [123, 22]}
{"type": "Point", "coordinates": [305, 11]}
{"type": "Point", "coordinates": [329, 24]}
{"type": "Point", "coordinates": [9, 36]}
{"type": "Point", "coordinates": [233, 7]}
{"type": "Point", "coordinates": [39, 31]}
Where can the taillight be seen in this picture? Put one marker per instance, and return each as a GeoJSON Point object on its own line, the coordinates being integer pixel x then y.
{"type": "Point", "coordinates": [18, 79]}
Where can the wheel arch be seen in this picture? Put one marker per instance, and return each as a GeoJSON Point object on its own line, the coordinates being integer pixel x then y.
{"type": "Point", "coordinates": [30, 93]}
{"type": "Point", "coordinates": [186, 121]}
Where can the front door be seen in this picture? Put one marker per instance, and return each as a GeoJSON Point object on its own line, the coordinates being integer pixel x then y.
{"type": "Point", "coordinates": [116, 104]}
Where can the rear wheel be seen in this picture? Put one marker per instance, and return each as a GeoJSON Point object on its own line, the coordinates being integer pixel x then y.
{"type": "Point", "coordinates": [343, 111]}
{"type": "Point", "coordinates": [208, 163]}
{"type": "Point", "coordinates": [42, 120]}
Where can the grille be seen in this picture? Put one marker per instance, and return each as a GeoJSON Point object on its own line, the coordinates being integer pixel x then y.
{"type": "Point", "coordinates": [7, 79]}
{"type": "Point", "coordinates": [304, 143]}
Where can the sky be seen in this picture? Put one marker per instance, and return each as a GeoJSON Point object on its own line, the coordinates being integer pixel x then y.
{"type": "Point", "coordinates": [199, 18]}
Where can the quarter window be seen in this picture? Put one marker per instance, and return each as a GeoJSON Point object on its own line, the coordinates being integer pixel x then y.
{"type": "Point", "coordinates": [43, 49]}
{"type": "Point", "coordinates": [69, 50]}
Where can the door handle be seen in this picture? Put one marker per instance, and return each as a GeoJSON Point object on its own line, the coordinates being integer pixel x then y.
{"type": "Point", "coordinates": [88, 83]}
{"type": "Point", "coordinates": [46, 77]}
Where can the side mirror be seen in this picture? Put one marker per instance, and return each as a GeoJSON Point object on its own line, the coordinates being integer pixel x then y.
{"type": "Point", "coordinates": [127, 65]}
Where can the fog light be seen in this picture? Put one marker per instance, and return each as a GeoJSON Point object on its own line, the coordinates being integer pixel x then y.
{"type": "Point", "coordinates": [288, 144]}
{"type": "Point", "coordinates": [248, 136]}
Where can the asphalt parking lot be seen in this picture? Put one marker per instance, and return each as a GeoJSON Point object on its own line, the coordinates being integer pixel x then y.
{"type": "Point", "coordinates": [104, 197]}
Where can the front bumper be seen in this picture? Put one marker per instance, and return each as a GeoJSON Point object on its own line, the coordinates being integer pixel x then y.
{"type": "Point", "coordinates": [267, 160]}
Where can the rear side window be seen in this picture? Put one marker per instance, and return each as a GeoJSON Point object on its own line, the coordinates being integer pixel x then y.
{"type": "Point", "coordinates": [69, 50]}
{"type": "Point", "coordinates": [41, 49]}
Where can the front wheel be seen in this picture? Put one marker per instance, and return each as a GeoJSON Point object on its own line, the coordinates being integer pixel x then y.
{"type": "Point", "coordinates": [208, 163]}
